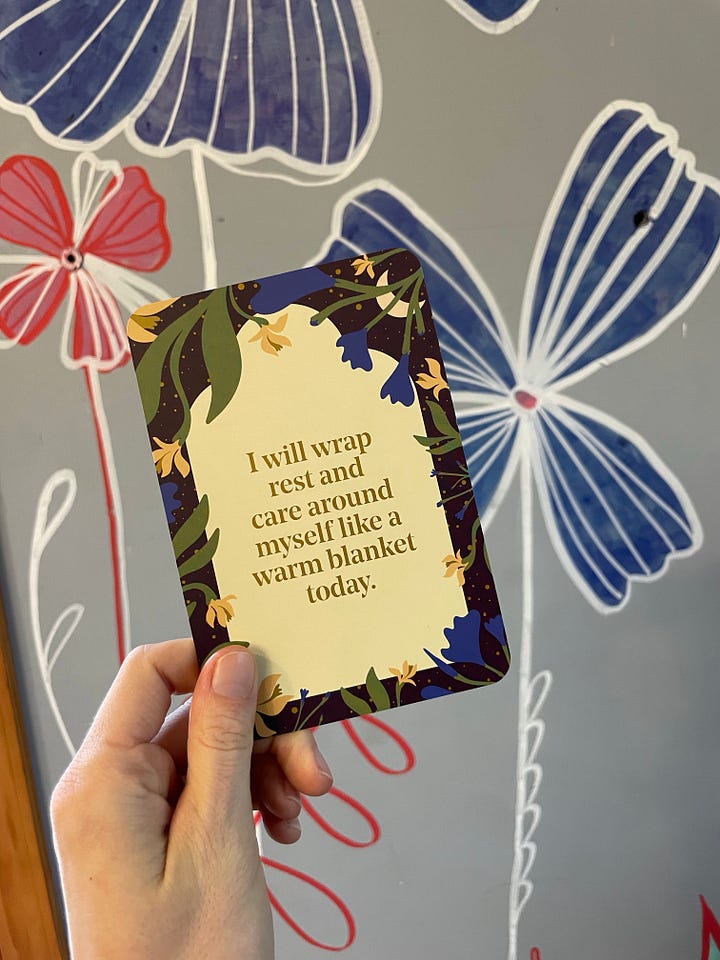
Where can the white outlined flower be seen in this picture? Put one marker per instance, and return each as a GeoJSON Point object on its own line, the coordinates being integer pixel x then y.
{"type": "Point", "coordinates": [629, 240]}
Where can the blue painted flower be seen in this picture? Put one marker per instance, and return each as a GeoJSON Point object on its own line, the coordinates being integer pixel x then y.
{"type": "Point", "coordinates": [355, 349]}
{"type": "Point", "coordinates": [303, 694]}
{"type": "Point", "coordinates": [265, 80]}
{"type": "Point", "coordinates": [630, 239]}
{"type": "Point", "coordinates": [170, 501]}
{"type": "Point", "coordinates": [398, 385]}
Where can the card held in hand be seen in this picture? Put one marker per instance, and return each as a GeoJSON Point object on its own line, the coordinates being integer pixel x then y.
{"type": "Point", "coordinates": [316, 490]}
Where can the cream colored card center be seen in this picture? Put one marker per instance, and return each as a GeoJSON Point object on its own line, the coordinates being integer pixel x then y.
{"type": "Point", "coordinates": [330, 536]}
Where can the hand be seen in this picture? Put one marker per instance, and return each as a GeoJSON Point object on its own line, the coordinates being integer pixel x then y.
{"type": "Point", "coordinates": [153, 819]}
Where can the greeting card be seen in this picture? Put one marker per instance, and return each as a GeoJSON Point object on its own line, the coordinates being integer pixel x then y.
{"type": "Point", "coordinates": [316, 489]}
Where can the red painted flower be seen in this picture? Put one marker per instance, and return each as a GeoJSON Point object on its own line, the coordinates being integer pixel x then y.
{"type": "Point", "coordinates": [117, 225]}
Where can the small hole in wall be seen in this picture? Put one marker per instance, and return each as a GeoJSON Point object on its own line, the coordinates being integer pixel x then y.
{"type": "Point", "coordinates": [641, 218]}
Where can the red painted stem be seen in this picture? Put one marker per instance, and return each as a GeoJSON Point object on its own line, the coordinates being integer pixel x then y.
{"type": "Point", "coordinates": [105, 453]}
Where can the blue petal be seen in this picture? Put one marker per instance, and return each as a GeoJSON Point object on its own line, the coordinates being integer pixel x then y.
{"type": "Point", "coordinates": [496, 628]}
{"type": "Point", "coordinates": [74, 91]}
{"type": "Point", "coordinates": [398, 386]}
{"type": "Point", "coordinates": [495, 16]}
{"type": "Point", "coordinates": [278, 291]}
{"type": "Point", "coordinates": [431, 692]}
{"type": "Point", "coordinates": [615, 512]}
{"type": "Point", "coordinates": [464, 639]}
{"type": "Point", "coordinates": [308, 89]}
{"type": "Point", "coordinates": [170, 501]}
{"type": "Point", "coordinates": [355, 349]}
{"type": "Point", "coordinates": [629, 241]}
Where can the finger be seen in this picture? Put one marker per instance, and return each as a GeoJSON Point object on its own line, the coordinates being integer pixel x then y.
{"type": "Point", "coordinates": [137, 703]}
{"type": "Point", "coordinates": [302, 762]}
{"type": "Point", "coordinates": [174, 733]}
{"type": "Point", "coordinates": [271, 789]}
{"type": "Point", "coordinates": [220, 740]}
{"type": "Point", "coordinates": [282, 831]}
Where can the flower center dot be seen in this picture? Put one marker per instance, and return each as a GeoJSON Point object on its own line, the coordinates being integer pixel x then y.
{"type": "Point", "coordinates": [526, 400]}
{"type": "Point", "coordinates": [71, 258]}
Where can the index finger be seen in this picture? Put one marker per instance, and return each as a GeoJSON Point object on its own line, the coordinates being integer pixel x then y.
{"type": "Point", "coordinates": [135, 706]}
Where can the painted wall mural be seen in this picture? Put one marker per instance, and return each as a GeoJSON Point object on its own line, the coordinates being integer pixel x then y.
{"type": "Point", "coordinates": [290, 90]}
{"type": "Point", "coordinates": [630, 238]}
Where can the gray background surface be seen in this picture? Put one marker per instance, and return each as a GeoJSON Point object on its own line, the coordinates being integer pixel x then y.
{"type": "Point", "coordinates": [477, 129]}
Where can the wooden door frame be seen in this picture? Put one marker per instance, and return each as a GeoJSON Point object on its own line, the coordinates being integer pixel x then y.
{"type": "Point", "coordinates": [31, 924]}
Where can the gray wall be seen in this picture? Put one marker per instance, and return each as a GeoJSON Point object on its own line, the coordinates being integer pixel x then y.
{"type": "Point", "coordinates": [477, 129]}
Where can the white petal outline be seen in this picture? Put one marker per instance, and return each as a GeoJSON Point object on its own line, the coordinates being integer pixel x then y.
{"type": "Point", "coordinates": [46, 525]}
{"type": "Point", "coordinates": [89, 177]}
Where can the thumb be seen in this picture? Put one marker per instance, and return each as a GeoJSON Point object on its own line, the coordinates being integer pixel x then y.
{"type": "Point", "coordinates": [220, 740]}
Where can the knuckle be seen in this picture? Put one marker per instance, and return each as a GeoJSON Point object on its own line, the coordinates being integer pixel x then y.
{"type": "Point", "coordinates": [225, 732]}
{"type": "Point", "coordinates": [138, 655]}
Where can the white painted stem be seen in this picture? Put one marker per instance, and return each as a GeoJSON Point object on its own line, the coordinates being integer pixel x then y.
{"type": "Point", "coordinates": [44, 530]}
{"type": "Point", "coordinates": [207, 237]}
{"type": "Point", "coordinates": [532, 692]}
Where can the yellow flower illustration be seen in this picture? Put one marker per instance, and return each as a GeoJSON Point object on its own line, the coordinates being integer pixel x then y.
{"type": "Point", "coordinates": [433, 380]}
{"type": "Point", "coordinates": [144, 320]}
{"type": "Point", "coordinates": [270, 336]}
{"type": "Point", "coordinates": [221, 609]}
{"type": "Point", "coordinates": [362, 264]}
{"type": "Point", "coordinates": [406, 674]}
{"type": "Point", "coordinates": [270, 702]}
{"type": "Point", "coordinates": [454, 565]}
{"type": "Point", "coordinates": [169, 455]}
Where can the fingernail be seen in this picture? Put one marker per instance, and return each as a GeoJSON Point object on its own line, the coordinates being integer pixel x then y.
{"type": "Point", "coordinates": [293, 828]}
{"type": "Point", "coordinates": [234, 674]}
{"type": "Point", "coordinates": [321, 762]}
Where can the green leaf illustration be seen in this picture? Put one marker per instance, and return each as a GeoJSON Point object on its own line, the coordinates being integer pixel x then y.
{"type": "Point", "coordinates": [204, 555]}
{"type": "Point", "coordinates": [445, 446]}
{"type": "Point", "coordinates": [149, 370]}
{"type": "Point", "coordinates": [221, 353]}
{"type": "Point", "coordinates": [192, 528]}
{"type": "Point", "coordinates": [449, 438]}
{"type": "Point", "coordinates": [190, 607]}
{"type": "Point", "coordinates": [378, 693]}
{"type": "Point", "coordinates": [440, 419]}
{"type": "Point", "coordinates": [357, 705]}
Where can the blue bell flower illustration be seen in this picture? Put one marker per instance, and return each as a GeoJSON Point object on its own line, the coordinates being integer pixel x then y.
{"type": "Point", "coordinates": [398, 386]}
{"type": "Point", "coordinates": [355, 349]}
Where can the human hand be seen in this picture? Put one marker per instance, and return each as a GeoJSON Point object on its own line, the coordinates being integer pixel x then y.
{"type": "Point", "coordinates": [153, 819]}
